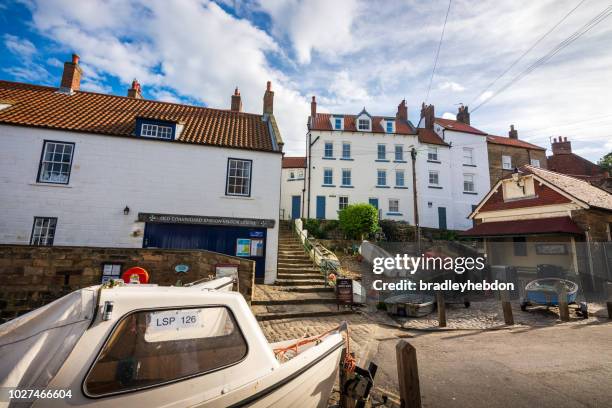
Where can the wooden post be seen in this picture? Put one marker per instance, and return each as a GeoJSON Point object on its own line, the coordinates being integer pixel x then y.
{"type": "Point", "coordinates": [506, 307]}
{"type": "Point", "coordinates": [441, 309]}
{"type": "Point", "coordinates": [563, 307]}
{"type": "Point", "coordinates": [408, 375]}
{"type": "Point", "coordinates": [345, 401]}
{"type": "Point", "coordinates": [609, 302]}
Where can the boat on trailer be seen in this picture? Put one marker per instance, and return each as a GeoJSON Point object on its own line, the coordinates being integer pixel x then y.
{"type": "Point", "coordinates": [154, 346]}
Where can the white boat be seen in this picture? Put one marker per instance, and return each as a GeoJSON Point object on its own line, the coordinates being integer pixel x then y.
{"type": "Point", "coordinates": [154, 346]}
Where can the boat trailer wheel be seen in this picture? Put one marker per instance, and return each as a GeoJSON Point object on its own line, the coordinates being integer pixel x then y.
{"type": "Point", "coordinates": [583, 310]}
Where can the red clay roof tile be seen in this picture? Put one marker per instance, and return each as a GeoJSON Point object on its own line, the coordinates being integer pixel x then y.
{"type": "Point", "coordinates": [512, 142]}
{"type": "Point", "coordinates": [294, 162]}
{"type": "Point", "coordinates": [458, 126]}
{"type": "Point", "coordinates": [323, 122]}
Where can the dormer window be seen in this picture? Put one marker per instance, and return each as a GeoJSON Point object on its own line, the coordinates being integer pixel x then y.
{"type": "Point", "coordinates": [363, 124]}
{"type": "Point", "coordinates": [155, 129]}
{"type": "Point", "coordinates": [338, 123]}
{"type": "Point", "coordinates": [389, 127]}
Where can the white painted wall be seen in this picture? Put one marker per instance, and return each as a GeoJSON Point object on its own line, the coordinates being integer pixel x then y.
{"type": "Point", "coordinates": [430, 198]}
{"type": "Point", "coordinates": [364, 172]}
{"type": "Point", "coordinates": [291, 187]}
{"type": "Point", "coordinates": [109, 173]}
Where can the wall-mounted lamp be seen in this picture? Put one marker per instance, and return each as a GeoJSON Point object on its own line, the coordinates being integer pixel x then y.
{"type": "Point", "coordinates": [126, 210]}
{"type": "Point", "coordinates": [429, 204]}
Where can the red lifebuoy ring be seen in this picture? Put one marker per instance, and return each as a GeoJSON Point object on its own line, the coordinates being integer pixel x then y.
{"type": "Point", "coordinates": [142, 274]}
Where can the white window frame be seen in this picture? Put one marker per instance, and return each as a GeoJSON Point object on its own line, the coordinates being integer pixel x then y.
{"type": "Point", "coordinates": [378, 173]}
{"type": "Point", "coordinates": [156, 131]}
{"type": "Point", "coordinates": [535, 162]}
{"type": "Point", "coordinates": [397, 173]}
{"type": "Point", "coordinates": [341, 205]}
{"type": "Point", "coordinates": [436, 178]}
{"type": "Point", "coordinates": [391, 124]}
{"type": "Point", "coordinates": [55, 164]}
{"type": "Point", "coordinates": [364, 124]}
{"type": "Point", "coordinates": [469, 186]}
{"type": "Point", "coordinates": [331, 172]}
{"type": "Point", "coordinates": [400, 151]}
{"type": "Point", "coordinates": [345, 144]}
{"type": "Point", "coordinates": [506, 162]}
{"type": "Point", "coordinates": [394, 205]}
{"type": "Point", "coordinates": [239, 174]}
{"type": "Point", "coordinates": [325, 144]}
{"type": "Point", "coordinates": [336, 122]}
{"type": "Point", "coordinates": [350, 177]}
{"type": "Point", "coordinates": [378, 151]}
{"type": "Point", "coordinates": [43, 231]}
{"type": "Point", "coordinates": [432, 153]}
{"type": "Point", "coordinates": [468, 156]}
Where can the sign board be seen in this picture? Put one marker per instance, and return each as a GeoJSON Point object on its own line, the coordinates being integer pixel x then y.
{"type": "Point", "coordinates": [344, 291]}
{"type": "Point", "coordinates": [174, 325]}
{"type": "Point", "coordinates": [257, 247]}
{"type": "Point", "coordinates": [110, 272]}
{"type": "Point", "coordinates": [256, 234]}
{"type": "Point", "coordinates": [181, 268]}
{"type": "Point", "coordinates": [243, 247]}
{"type": "Point", "coordinates": [205, 220]}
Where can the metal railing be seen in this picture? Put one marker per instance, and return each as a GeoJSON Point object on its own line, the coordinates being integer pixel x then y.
{"type": "Point", "coordinates": [323, 258]}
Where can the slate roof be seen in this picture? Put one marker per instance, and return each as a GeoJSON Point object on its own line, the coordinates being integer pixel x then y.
{"type": "Point", "coordinates": [90, 112]}
{"type": "Point", "coordinates": [294, 162]}
{"type": "Point", "coordinates": [501, 140]}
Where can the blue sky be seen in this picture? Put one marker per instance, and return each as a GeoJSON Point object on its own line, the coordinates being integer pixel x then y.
{"type": "Point", "coordinates": [350, 54]}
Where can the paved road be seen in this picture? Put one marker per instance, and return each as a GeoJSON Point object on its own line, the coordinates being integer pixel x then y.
{"type": "Point", "coordinates": [560, 366]}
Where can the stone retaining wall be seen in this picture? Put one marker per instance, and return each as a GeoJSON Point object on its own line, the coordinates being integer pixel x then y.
{"type": "Point", "coordinates": [32, 276]}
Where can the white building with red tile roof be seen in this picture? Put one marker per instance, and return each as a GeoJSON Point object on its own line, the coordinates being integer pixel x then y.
{"type": "Point", "coordinates": [292, 187]}
{"type": "Point", "coordinates": [89, 169]}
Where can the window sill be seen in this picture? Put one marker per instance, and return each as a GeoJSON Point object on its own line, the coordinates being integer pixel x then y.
{"type": "Point", "coordinates": [394, 213]}
{"type": "Point", "coordinates": [237, 197]}
{"type": "Point", "coordinates": [469, 165]}
{"type": "Point", "coordinates": [400, 161]}
{"type": "Point", "coordinates": [295, 179]}
{"type": "Point", "coordinates": [383, 187]}
{"type": "Point", "coordinates": [434, 161]}
{"type": "Point", "coordinates": [470, 192]}
{"type": "Point", "coordinates": [328, 185]}
{"type": "Point", "coordinates": [346, 159]}
{"type": "Point", "coordinates": [436, 187]}
{"type": "Point", "coordinates": [51, 185]}
{"type": "Point", "coordinates": [382, 160]}
{"type": "Point", "coordinates": [328, 158]}
{"type": "Point", "coordinates": [347, 187]}
{"type": "Point", "coordinates": [401, 187]}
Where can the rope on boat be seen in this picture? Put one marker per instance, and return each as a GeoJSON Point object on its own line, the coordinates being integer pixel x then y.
{"type": "Point", "coordinates": [349, 362]}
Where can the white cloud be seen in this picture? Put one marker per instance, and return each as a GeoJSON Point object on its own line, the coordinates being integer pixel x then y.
{"type": "Point", "coordinates": [449, 115]}
{"type": "Point", "coordinates": [450, 86]}
{"type": "Point", "coordinates": [21, 47]}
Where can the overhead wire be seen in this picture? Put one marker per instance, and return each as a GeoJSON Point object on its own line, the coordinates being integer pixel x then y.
{"type": "Point", "coordinates": [433, 71]}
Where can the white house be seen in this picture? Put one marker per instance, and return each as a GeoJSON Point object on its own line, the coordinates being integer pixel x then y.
{"type": "Point", "coordinates": [368, 159]}
{"type": "Point", "coordinates": [452, 178]}
{"type": "Point", "coordinates": [89, 169]}
{"type": "Point", "coordinates": [292, 187]}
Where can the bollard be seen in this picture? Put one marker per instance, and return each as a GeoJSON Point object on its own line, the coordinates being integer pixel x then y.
{"type": "Point", "coordinates": [609, 302]}
{"type": "Point", "coordinates": [563, 307]}
{"type": "Point", "coordinates": [506, 307]}
{"type": "Point", "coordinates": [408, 375]}
{"type": "Point", "coordinates": [441, 309]}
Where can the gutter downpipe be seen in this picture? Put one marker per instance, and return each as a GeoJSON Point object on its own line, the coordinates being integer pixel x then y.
{"type": "Point", "coordinates": [309, 164]}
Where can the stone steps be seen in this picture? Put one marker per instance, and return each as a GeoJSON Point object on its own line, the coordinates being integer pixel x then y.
{"type": "Point", "coordinates": [296, 267]}
{"type": "Point", "coordinates": [297, 311]}
{"type": "Point", "coordinates": [303, 301]}
{"type": "Point", "coordinates": [299, 275]}
{"type": "Point", "coordinates": [299, 282]}
{"type": "Point", "coordinates": [306, 288]}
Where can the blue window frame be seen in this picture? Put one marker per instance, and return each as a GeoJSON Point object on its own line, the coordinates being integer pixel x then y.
{"type": "Point", "coordinates": [338, 123]}
{"type": "Point", "coordinates": [381, 178]}
{"type": "Point", "coordinates": [346, 177]}
{"type": "Point", "coordinates": [328, 176]}
{"type": "Point", "coordinates": [399, 178]}
{"type": "Point", "coordinates": [389, 126]}
{"type": "Point", "coordinates": [329, 149]}
{"type": "Point", "coordinates": [346, 150]}
{"type": "Point", "coordinates": [382, 152]}
{"type": "Point", "coordinates": [399, 153]}
{"type": "Point", "coordinates": [155, 129]}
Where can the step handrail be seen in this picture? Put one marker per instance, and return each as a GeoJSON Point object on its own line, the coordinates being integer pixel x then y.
{"type": "Point", "coordinates": [322, 257]}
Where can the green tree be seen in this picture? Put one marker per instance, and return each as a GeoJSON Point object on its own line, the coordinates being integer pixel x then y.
{"type": "Point", "coordinates": [358, 220]}
{"type": "Point", "coordinates": [606, 162]}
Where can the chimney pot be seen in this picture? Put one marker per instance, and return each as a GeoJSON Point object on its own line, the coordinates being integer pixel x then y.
{"type": "Point", "coordinates": [135, 91]}
{"type": "Point", "coordinates": [513, 133]}
{"type": "Point", "coordinates": [463, 115]}
{"type": "Point", "coordinates": [428, 115]}
{"type": "Point", "coordinates": [313, 110]}
{"type": "Point", "coordinates": [268, 100]}
{"type": "Point", "coordinates": [236, 104]}
{"type": "Point", "coordinates": [402, 111]}
{"type": "Point", "coordinates": [71, 77]}
{"type": "Point", "coordinates": [561, 146]}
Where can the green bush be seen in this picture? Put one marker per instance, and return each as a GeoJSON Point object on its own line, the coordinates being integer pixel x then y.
{"type": "Point", "coordinates": [397, 231]}
{"type": "Point", "coordinates": [314, 228]}
{"type": "Point", "coordinates": [358, 220]}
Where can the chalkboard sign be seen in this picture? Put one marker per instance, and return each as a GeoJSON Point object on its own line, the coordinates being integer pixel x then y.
{"type": "Point", "coordinates": [344, 291]}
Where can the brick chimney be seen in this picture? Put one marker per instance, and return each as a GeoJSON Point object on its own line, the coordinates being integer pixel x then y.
{"type": "Point", "coordinates": [236, 101]}
{"type": "Point", "coordinates": [513, 133]}
{"type": "Point", "coordinates": [135, 91]}
{"type": "Point", "coordinates": [268, 100]}
{"type": "Point", "coordinates": [428, 115]}
{"type": "Point", "coordinates": [463, 115]}
{"type": "Point", "coordinates": [402, 111]}
{"type": "Point", "coordinates": [71, 78]}
{"type": "Point", "coordinates": [561, 146]}
{"type": "Point", "coordinates": [313, 110]}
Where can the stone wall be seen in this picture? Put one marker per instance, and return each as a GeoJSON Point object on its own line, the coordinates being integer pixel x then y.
{"type": "Point", "coordinates": [520, 156]}
{"type": "Point", "coordinates": [32, 276]}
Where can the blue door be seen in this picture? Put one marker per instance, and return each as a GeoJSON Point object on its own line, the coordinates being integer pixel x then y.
{"type": "Point", "coordinates": [321, 207]}
{"type": "Point", "coordinates": [295, 207]}
{"type": "Point", "coordinates": [374, 202]}
{"type": "Point", "coordinates": [442, 218]}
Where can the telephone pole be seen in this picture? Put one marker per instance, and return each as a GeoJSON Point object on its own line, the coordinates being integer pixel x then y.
{"type": "Point", "coordinates": [417, 237]}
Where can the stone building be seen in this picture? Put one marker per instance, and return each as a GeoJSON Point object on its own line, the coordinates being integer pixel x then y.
{"type": "Point", "coordinates": [88, 169]}
{"type": "Point", "coordinates": [508, 153]}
